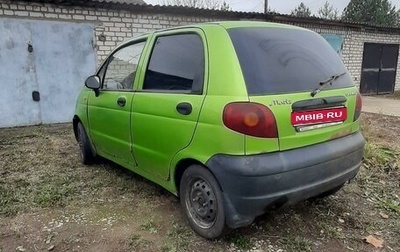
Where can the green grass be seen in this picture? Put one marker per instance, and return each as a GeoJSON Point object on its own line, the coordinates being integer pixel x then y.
{"type": "Point", "coordinates": [8, 202]}
{"type": "Point", "coordinates": [239, 241]}
{"type": "Point", "coordinates": [390, 205]}
{"type": "Point", "coordinates": [330, 231]}
{"type": "Point", "coordinates": [296, 243]}
{"type": "Point", "coordinates": [40, 172]}
{"type": "Point", "coordinates": [149, 226]}
{"type": "Point", "coordinates": [137, 242]}
{"type": "Point", "coordinates": [41, 169]}
{"type": "Point", "coordinates": [378, 156]}
{"type": "Point", "coordinates": [381, 165]}
{"type": "Point", "coordinates": [168, 248]}
{"type": "Point", "coordinates": [179, 236]}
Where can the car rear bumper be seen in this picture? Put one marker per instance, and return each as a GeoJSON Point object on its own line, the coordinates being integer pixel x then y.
{"type": "Point", "coordinates": [251, 184]}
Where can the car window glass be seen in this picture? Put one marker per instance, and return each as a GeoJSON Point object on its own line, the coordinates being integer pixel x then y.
{"type": "Point", "coordinates": [176, 63]}
{"type": "Point", "coordinates": [277, 61]}
{"type": "Point", "coordinates": [121, 68]}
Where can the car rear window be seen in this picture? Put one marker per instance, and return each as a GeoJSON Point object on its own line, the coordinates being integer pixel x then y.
{"type": "Point", "coordinates": [276, 60]}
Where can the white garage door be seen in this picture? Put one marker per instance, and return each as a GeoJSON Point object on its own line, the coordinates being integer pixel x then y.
{"type": "Point", "coordinates": [43, 65]}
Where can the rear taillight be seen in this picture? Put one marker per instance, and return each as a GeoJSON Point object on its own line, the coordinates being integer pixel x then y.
{"type": "Point", "coordinates": [251, 119]}
{"type": "Point", "coordinates": [357, 112]}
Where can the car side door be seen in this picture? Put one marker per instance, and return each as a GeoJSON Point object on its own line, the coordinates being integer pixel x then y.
{"type": "Point", "coordinates": [109, 111]}
{"type": "Point", "coordinates": [169, 98]}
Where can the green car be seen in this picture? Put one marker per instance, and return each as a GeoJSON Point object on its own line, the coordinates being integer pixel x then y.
{"type": "Point", "coordinates": [232, 117]}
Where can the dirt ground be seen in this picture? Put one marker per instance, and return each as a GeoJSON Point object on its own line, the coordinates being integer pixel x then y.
{"type": "Point", "coordinates": [50, 202]}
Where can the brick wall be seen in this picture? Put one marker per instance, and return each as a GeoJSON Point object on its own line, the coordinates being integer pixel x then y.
{"type": "Point", "coordinates": [355, 48]}
{"type": "Point", "coordinates": [113, 27]}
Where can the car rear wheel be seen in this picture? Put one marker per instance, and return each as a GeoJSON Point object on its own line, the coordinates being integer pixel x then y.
{"type": "Point", "coordinates": [85, 148]}
{"type": "Point", "coordinates": [202, 202]}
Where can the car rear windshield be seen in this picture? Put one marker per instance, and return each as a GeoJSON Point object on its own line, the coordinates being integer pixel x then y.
{"type": "Point", "coordinates": [276, 60]}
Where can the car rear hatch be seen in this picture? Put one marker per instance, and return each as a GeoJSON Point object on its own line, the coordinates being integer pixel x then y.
{"type": "Point", "coordinates": [297, 75]}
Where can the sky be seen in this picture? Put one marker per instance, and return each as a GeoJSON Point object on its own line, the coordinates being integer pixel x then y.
{"type": "Point", "coordinates": [280, 6]}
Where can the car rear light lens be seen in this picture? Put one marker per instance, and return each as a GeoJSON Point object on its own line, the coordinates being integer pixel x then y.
{"type": "Point", "coordinates": [251, 119]}
{"type": "Point", "coordinates": [357, 112]}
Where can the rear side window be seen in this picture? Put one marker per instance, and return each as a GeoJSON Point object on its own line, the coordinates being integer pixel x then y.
{"type": "Point", "coordinates": [176, 63]}
{"type": "Point", "coordinates": [277, 61]}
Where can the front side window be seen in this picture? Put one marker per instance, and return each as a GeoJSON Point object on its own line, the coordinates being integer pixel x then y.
{"type": "Point", "coordinates": [176, 64]}
{"type": "Point", "coordinates": [121, 69]}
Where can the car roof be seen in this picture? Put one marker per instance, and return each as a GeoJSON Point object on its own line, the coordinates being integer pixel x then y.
{"type": "Point", "coordinates": [223, 24]}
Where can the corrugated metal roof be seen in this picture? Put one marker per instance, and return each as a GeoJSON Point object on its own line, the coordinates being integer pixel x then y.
{"type": "Point", "coordinates": [141, 6]}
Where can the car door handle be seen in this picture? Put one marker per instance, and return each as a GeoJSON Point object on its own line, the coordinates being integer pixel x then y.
{"type": "Point", "coordinates": [121, 101]}
{"type": "Point", "coordinates": [184, 108]}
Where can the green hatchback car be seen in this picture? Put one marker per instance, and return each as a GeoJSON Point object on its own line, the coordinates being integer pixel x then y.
{"type": "Point", "coordinates": [232, 117]}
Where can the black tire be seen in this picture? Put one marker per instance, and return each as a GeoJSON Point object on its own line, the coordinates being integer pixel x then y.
{"type": "Point", "coordinates": [85, 148]}
{"type": "Point", "coordinates": [202, 202]}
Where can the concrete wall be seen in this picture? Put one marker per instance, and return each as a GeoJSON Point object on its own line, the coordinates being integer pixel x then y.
{"type": "Point", "coordinates": [115, 26]}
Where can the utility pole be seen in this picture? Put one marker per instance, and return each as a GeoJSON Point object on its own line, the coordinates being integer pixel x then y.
{"type": "Point", "coordinates": [265, 6]}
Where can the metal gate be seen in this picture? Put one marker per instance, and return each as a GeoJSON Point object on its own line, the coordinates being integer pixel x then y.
{"type": "Point", "coordinates": [43, 65]}
{"type": "Point", "coordinates": [379, 68]}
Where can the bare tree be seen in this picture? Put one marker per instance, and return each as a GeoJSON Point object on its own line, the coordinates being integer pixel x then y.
{"type": "Point", "coordinates": [205, 4]}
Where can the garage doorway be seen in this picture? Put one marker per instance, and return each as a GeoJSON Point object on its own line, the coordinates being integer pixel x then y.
{"type": "Point", "coordinates": [43, 68]}
{"type": "Point", "coordinates": [379, 67]}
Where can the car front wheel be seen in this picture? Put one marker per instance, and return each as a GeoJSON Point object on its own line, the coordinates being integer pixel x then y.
{"type": "Point", "coordinates": [85, 149]}
{"type": "Point", "coordinates": [202, 202]}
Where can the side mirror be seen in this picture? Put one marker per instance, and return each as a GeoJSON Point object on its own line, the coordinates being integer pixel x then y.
{"type": "Point", "coordinates": [93, 82]}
